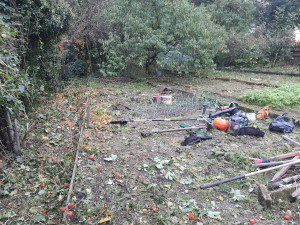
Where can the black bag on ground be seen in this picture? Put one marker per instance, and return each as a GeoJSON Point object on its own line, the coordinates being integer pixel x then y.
{"type": "Point", "coordinates": [193, 139]}
{"type": "Point", "coordinates": [252, 131]}
{"type": "Point", "coordinates": [280, 125]}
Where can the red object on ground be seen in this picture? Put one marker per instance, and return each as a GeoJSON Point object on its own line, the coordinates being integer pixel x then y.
{"type": "Point", "coordinates": [287, 217]}
{"type": "Point", "coordinates": [191, 216]}
{"type": "Point", "coordinates": [157, 99]}
{"type": "Point", "coordinates": [252, 221]}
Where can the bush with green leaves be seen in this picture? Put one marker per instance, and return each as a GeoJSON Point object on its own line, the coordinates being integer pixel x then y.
{"type": "Point", "coordinates": [13, 81]}
{"type": "Point", "coordinates": [278, 97]}
{"type": "Point", "coordinates": [40, 25]}
{"type": "Point", "coordinates": [78, 68]}
{"type": "Point", "coordinates": [141, 30]}
{"type": "Point", "coordinates": [235, 15]}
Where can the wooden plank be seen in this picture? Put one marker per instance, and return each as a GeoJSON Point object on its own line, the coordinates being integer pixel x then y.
{"type": "Point", "coordinates": [296, 193]}
{"type": "Point", "coordinates": [284, 181]}
{"type": "Point", "coordinates": [281, 172]}
{"type": "Point", "coordinates": [264, 196]}
{"type": "Point", "coordinates": [263, 72]}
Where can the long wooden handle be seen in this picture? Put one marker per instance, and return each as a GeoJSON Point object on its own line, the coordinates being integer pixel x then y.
{"type": "Point", "coordinates": [222, 182]}
{"type": "Point", "coordinates": [271, 163]}
{"type": "Point", "coordinates": [272, 168]}
{"type": "Point", "coordinates": [179, 129]}
{"type": "Point", "coordinates": [283, 170]}
{"type": "Point", "coordinates": [283, 156]}
{"type": "Point", "coordinates": [248, 175]}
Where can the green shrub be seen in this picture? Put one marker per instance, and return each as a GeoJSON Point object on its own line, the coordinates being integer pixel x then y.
{"type": "Point", "coordinates": [143, 30]}
{"type": "Point", "coordinates": [78, 68]}
{"type": "Point", "coordinates": [288, 95]}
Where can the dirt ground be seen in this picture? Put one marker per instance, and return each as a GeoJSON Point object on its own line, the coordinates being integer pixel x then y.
{"type": "Point", "coordinates": [145, 180]}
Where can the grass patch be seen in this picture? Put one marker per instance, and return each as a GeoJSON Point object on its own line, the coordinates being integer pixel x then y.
{"type": "Point", "coordinates": [288, 95]}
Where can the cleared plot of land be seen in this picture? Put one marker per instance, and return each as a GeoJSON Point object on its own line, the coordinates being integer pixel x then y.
{"type": "Point", "coordinates": [137, 180]}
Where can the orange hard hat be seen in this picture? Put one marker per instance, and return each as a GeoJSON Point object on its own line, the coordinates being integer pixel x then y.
{"type": "Point", "coordinates": [221, 124]}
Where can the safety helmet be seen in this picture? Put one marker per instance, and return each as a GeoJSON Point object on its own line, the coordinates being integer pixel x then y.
{"type": "Point", "coordinates": [221, 124]}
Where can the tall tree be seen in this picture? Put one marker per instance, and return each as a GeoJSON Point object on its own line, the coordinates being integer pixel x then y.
{"type": "Point", "coordinates": [278, 14]}
{"type": "Point", "coordinates": [182, 35]}
{"type": "Point", "coordinates": [234, 15]}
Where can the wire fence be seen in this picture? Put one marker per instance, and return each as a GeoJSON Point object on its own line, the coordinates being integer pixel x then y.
{"type": "Point", "coordinates": [181, 105]}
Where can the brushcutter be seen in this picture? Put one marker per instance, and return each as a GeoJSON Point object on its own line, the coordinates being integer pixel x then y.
{"type": "Point", "coordinates": [146, 134]}
{"type": "Point", "coordinates": [123, 121]}
{"type": "Point", "coordinates": [232, 122]}
{"type": "Point", "coordinates": [200, 118]}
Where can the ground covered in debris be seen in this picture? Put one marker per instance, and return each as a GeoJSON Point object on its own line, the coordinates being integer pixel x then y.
{"type": "Point", "coordinates": [125, 178]}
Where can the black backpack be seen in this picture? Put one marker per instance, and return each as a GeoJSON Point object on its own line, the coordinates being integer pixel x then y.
{"type": "Point", "coordinates": [280, 125]}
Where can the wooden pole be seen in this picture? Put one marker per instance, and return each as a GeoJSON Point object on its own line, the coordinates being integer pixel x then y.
{"type": "Point", "coordinates": [271, 163]}
{"type": "Point", "coordinates": [88, 115]}
{"type": "Point", "coordinates": [281, 172]}
{"type": "Point", "coordinates": [10, 131]}
{"type": "Point", "coordinates": [17, 138]}
{"type": "Point", "coordinates": [284, 181]}
{"type": "Point", "coordinates": [249, 174]}
{"type": "Point", "coordinates": [277, 157]}
{"type": "Point", "coordinates": [296, 193]}
{"type": "Point", "coordinates": [75, 162]}
{"type": "Point", "coordinates": [171, 130]}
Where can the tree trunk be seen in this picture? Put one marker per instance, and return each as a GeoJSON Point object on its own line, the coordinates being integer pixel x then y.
{"type": "Point", "coordinates": [10, 131]}
{"type": "Point", "coordinates": [149, 62]}
{"type": "Point", "coordinates": [17, 138]}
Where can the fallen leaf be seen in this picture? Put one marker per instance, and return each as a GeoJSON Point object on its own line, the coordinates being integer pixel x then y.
{"type": "Point", "coordinates": [14, 192]}
{"type": "Point", "coordinates": [44, 137]}
{"type": "Point", "coordinates": [104, 220]}
{"type": "Point", "coordinates": [187, 180]}
{"type": "Point", "coordinates": [109, 182]}
{"type": "Point", "coordinates": [213, 215]}
{"type": "Point", "coordinates": [135, 188]}
{"type": "Point", "coordinates": [237, 195]}
{"type": "Point", "coordinates": [112, 157]}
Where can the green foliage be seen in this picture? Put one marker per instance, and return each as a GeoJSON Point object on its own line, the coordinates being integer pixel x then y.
{"type": "Point", "coordinates": [234, 15]}
{"type": "Point", "coordinates": [29, 32]}
{"type": "Point", "coordinates": [277, 47]}
{"type": "Point", "coordinates": [141, 30]}
{"type": "Point", "coordinates": [255, 39]}
{"type": "Point", "coordinates": [42, 23]}
{"type": "Point", "coordinates": [13, 82]}
{"type": "Point", "coordinates": [288, 10]}
{"type": "Point", "coordinates": [244, 50]}
{"type": "Point", "coordinates": [78, 67]}
{"type": "Point", "coordinates": [278, 98]}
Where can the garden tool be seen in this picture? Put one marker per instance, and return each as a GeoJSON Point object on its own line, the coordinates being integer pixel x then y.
{"type": "Point", "coordinates": [249, 174]}
{"type": "Point", "coordinates": [123, 121]}
{"type": "Point", "coordinates": [146, 134]}
{"type": "Point", "coordinates": [277, 157]}
{"type": "Point", "coordinates": [187, 126]}
{"type": "Point", "coordinates": [231, 111]}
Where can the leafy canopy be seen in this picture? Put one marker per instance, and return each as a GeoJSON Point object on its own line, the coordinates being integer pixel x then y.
{"type": "Point", "coordinates": [175, 34]}
{"type": "Point", "coordinates": [234, 15]}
